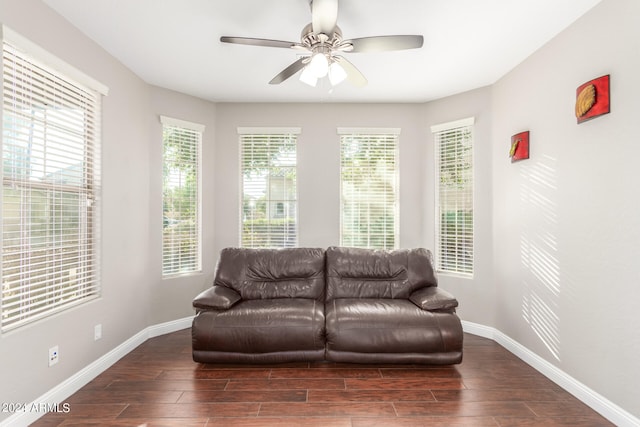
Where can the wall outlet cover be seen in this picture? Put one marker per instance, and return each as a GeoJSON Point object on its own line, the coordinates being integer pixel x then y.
{"type": "Point", "coordinates": [53, 355]}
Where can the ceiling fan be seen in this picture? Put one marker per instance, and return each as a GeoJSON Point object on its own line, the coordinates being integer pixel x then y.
{"type": "Point", "coordinates": [322, 44]}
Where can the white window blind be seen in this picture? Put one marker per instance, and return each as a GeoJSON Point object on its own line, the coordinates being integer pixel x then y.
{"type": "Point", "coordinates": [268, 165]}
{"type": "Point", "coordinates": [50, 189]}
{"type": "Point", "coordinates": [454, 196]}
{"type": "Point", "coordinates": [181, 233]}
{"type": "Point", "coordinates": [369, 188]}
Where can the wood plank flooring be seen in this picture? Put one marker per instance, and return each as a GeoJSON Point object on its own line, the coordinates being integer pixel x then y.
{"type": "Point", "coordinates": [158, 384]}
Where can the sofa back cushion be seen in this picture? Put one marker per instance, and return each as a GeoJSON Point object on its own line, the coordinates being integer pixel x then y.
{"type": "Point", "coordinates": [369, 273]}
{"type": "Point", "coordinates": [273, 273]}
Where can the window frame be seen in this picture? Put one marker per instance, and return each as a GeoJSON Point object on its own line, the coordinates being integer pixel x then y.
{"type": "Point", "coordinates": [197, 130]}
{"type": "Point", "coordinates": [68, 128]}
{"type": "Point", "coordinates": [390, 134]}
{"type": "Point", "coordinates": [245, 134]}
{"type": "Point", "coordinates": [455, 263]}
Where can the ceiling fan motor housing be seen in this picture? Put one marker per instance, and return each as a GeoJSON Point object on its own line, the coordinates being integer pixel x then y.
{"type": "Point", "coordinates": [309, 38]}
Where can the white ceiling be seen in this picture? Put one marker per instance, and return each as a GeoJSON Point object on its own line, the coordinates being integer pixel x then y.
{"type": "Point", "coordinates": [175, 44]}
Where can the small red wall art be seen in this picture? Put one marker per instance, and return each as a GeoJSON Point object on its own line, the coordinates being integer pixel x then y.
{"type": "Point", "coordinates": [592, 99]}
{"type": "Point", "coordinates": [519, 146]}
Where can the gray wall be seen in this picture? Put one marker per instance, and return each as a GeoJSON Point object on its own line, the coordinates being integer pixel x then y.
{"type": "Point", "coordinates": [133, 294]}
{"type": "Point", "coordinates": [319, 180]}
{"type": "Point", "coordinates": [476, 295]}
{"type": "Point", "coordinates": [319, 164]}
{"type": "Point", "coordinates": [556, 235]}
{"type": "Point", "coordinates": [171, 298]}
{"type": "Point", "coordinates": [125, 232]}
{"type": "Point", "coordinates": [566, 224]}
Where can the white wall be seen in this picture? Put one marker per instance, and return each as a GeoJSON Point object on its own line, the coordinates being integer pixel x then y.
{"type": "Point", "coordinates": [566, 224]}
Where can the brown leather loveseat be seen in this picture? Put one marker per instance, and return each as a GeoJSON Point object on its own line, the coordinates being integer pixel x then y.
{"type": "Point", "coordinates": [339, 304]}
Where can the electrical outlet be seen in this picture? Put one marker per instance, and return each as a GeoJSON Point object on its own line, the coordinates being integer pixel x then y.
{"type": "Point", "coordinates": [97, 332]}
{"type": "Point", "coordinates": [54, 355]}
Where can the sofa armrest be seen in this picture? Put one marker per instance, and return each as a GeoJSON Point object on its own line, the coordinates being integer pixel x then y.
{"type": "Point", "coordinates": [433, 299]}
{"type": "Point", "coordinates": [216, 298]}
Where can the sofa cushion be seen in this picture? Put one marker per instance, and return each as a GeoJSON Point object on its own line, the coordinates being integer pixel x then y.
{"type": "Point", "coordinates": [272, 273]}
{"type": "Point", "coordinates": [366, 273]}
{"type": "Point", "coordinates": [262, 327]}
{"type": "Point", "coordinates": [389, 326]}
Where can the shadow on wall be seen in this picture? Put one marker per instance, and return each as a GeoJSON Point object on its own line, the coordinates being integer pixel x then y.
{"type": "Point", "coordinates": [539, 252]}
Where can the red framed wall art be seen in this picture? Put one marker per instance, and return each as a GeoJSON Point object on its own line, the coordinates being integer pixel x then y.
{"type": "Point", "coordinates": [592, 99]}
{"type": "Point", "coordinates": [519, 146]}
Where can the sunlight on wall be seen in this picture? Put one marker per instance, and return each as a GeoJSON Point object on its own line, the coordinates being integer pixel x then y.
{"type": "Point", "coordinates": [539, 252]}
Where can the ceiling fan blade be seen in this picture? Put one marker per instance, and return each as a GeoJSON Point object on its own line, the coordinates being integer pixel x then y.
{"type": "Point", "coordinates": [354, 75]}
{"type": "Point", "coordinates": [384, 43]}
{"type": "Point", "coordinates": [324, 16]}
{"type": "Point", "coordinates": [289, 71]}
{"type": "Point", "coordinates": [259, 42]}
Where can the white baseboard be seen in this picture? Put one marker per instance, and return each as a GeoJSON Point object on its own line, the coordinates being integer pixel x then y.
{"type": "Point", "coordinates": [606, 408]}
{"type": "Point", "coordinates": [62, 391]}
{"type": "Point", "coordinates": [65, 389]}
{"type": "Point", "coordinates": [168, 327]}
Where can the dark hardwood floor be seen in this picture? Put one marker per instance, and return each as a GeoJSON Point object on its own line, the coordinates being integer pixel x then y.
{"type": "Point", "coordinates": [158, 384]}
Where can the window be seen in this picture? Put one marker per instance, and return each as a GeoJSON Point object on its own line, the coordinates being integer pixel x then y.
{"type": "Point", "coordinates": [50, 185]}
{"type": "Point", "coordinates": [454, 196]}
{"type": "Point", "coordinates": [369, 188]}
{"type": "Point", "coordinates": [181, 236]}
{"type": "Point", "coordinates": [269, 212]}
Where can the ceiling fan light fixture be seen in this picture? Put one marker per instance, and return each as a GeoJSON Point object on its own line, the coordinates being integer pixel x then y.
{"type": "Point", "coordinates": [337, 74]}
{"type": "Point", "coordinates": [308, 77]}
{"type": "Point", "coordinates": [319, 65]}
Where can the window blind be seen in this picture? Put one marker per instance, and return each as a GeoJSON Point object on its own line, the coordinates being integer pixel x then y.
{"type": "Point", "coordinates": [454, 197]}
{"type": "Point", "coordinates": [269, 213]}
{"type": "Point", "coordinates": [369, 189]}
{"type": "Point", "coordinates": [181, 225]}
{"type": "Point", "coordinates": [50, 189]}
